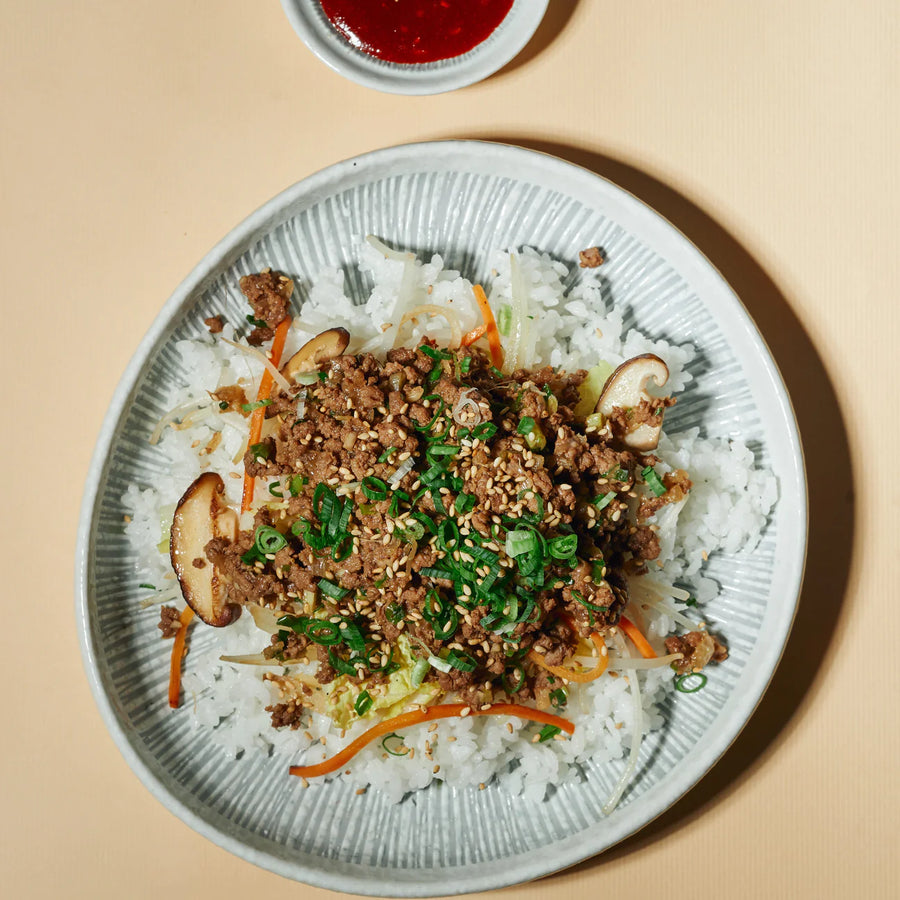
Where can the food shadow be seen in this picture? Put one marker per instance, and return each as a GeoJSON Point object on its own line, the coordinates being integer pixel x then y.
{"type": "Point", "coordinates": [828, 461]}
{"type": "Point", "coordinates": [557, 19]}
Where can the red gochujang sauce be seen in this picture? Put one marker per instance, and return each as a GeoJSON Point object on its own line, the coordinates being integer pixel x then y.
{"type": "Point", "coordinates": [416, 31]}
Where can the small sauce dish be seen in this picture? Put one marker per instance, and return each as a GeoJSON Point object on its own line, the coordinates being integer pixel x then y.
{"type": "Point", "coordinates": [415, 46]}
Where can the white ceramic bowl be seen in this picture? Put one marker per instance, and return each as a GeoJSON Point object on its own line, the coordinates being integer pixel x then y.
{"type": "Point", "coordinates": [513, 33]}
{"type": "Point", "coordinates": [462, 199]}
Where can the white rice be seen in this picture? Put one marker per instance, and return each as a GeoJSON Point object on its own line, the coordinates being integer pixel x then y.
{"type": "Point", "coordinates": [726, 510]}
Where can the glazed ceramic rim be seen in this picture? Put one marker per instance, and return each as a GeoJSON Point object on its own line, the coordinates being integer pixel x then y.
{"type": "Point", "coordinates": [507, 40]}
{"type": "Point", "coordinates": [699, 272]}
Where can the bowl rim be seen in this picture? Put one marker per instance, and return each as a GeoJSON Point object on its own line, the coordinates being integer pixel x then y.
{"type": "Point", "coordinates": [730, 722]}
{"type": "Point", "coordinates": [483, 60]}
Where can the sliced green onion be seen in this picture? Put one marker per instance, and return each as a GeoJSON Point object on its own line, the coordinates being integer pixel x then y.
{"type": "Point", "coordinates": [604, 500]}
{"type": "Point", "coordinates": [576, 596]}
{"type": "Point", "coordinates": [437, 663]}
{"type": "Point", "coordinates": [394, 749]}
{"type": "Point", "coordinates": [434, 572]}
{"type": "Point", "coordinates": [520, 541]}
{"type": "Point", "coordinates": [257, 404]}
{"type": "Point", "coordinates": [393, 613]}
{"type": "Point", "coordinates": [259, 451]}
{"type": "Point", "coordinates": [446, 626]}
{"type": "Point", "coordinates": [653, 481]}
{"type": "Point", "coordinates": [464, 502]}
{"type": "Point", "coordinates": [363, 703]}
{"type": "Point", "coordinates": [548, 732]}
{"type": "Point", "coordinates": [461, 661]}
{"type": "Point", "coordinates": [330, 589]}
{"type": "Point", "coordinates": [323, 500]}
{"type": "Point", "coordinates": [434, 353]}
{"type": "Point", "coordinates": [563, 547]}
{"type": "Point", "coordinates": [412, 531]}
{"type": "Point", "coordinates": [296, 484]}
{"type": "Point", "coordinates": [149, 587]}
{"type": "Point", "coordinates": [339, 664]}
{"type": "Point", "coordinates": [268, 539]}
{"type": "Point", "coordinates": [374, 488]}
{"type": "Point", "coordinates": [496, 372]}
{"type": "Point", "coordinates": [558, 698]}
{"type": "Point", "coordinates": [437, 415]}
{"type": "Point", "coordinates": [690, 682]}
{"type": "Point", "coordinates": [434, 606]}
{"type": "Point", "coordinates": [426, 521]}
{"type": "Point", "coordinates": [485, 431]}
{"type": "Point", "coordinates": [223, 405]}
{"type": "Point", "coordinates": [352, 636]}
{"type": "Point", "coordinates": [341, 550]}
{"type": "Point", "coordinates": [321, 632]}
{"type": "Point", "coordinates": [386, 455]}
{"type": "Point", "coordinates": [465, 364]}
{"type": "Point", "coordinates": [275, 490]}
{"type": "Point", "coordinates": [526, 425]}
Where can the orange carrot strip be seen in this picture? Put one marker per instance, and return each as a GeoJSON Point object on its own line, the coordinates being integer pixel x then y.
{"type": "Point", "coordinates": [177, 655]}
{"type": "Point", "coordinates": [637, 638]}
{"type": "Point", "coordinates": [429, 714]}
{"type": "Point", "coordinates": [491, 330]}
{"type": "Point", "coordinates": [473, 335]}
{"type": "Point", "coordinates": [571, 674]}
{"type": "Point", "coordinates": [259, 414]}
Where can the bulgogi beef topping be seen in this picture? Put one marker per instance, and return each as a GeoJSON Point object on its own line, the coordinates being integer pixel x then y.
{"type": "Point", "coordinates": [591, 258]}
{"type": "Point", "coordinates": [269, 294]}
{"type": "Point", "coordinates": [430, 505]}
{"type": "Point", "coordinates": [697, 648]}
{"type": "Point", "coordinates": [214, 324]}
{"type": "Point", "coordinates": [169, 621]}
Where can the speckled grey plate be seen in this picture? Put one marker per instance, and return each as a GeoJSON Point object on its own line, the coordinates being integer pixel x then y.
{"type": "Point", "coordinates": [462, 199]}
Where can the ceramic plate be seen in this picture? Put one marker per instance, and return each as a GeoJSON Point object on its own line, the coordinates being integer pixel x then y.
{"type": "Point", "coordinates": [461, 199]}
{"type": "Point", "coordinates": [502, 45]}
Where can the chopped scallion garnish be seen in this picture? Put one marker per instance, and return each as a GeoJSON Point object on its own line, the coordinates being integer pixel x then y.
{"type": "Point", "coordinates": [363, 703]}
{"type": "Point", "coordinates": [330, 589]}
{"type": "Point", "coordinates": [691, 682]}
{"type": "Point", "coordinates": [653, 481]}
{"type": "Point", "coordinates": [548, 732]}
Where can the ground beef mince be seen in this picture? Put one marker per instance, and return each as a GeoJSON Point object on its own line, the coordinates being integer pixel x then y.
{"type": "Point", "coordinates": [697, 648]}
{"type": "Point", "coordinates": [429, 506]}
{"type": "Point", "coordinates": [591, 258]}
{"type": "Point", "coordinates": [169, 621]}
{"type": "Point", "coordinates": [214, 324]}
{"type": "Point", "coordinates": [269, 294]}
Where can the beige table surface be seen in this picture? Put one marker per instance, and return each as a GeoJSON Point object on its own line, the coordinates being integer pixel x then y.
{"type": "Point", "coordinates": [135, 135]}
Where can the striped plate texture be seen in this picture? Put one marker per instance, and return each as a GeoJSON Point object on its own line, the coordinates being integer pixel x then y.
{"type": "Point", "coordinates": [460, 199]}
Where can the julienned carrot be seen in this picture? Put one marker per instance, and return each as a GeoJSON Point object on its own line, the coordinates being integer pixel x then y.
{"type": "Point", "coordinates": [570, 674]}
{"type": "Point", "coordinates": [473, 335]}
{"type": "Point", "coordinates": [259, 414]}
{"type": "Point", "coordinates": [429, 714]}
{"type": "Point", "coordinates": [491, 331]}
{"type": "Point", "coordinates": [177, 655]}
{"type": "Point", "coordinates": [637, 638]}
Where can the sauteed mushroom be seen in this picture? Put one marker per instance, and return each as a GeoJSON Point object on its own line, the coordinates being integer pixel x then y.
{"type": "Point", "coordinates": [626, 389]}
{"type": "Point", "coordinates": [199, 517]}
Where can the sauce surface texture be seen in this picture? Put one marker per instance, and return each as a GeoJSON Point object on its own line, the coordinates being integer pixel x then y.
{"type": "Point", "coordinates": [416, 31]}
